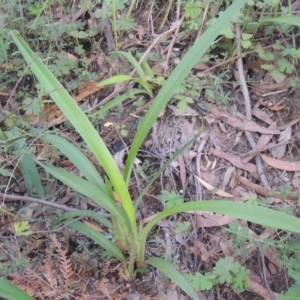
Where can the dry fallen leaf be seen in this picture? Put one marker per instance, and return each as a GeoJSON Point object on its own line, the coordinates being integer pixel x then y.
{"type": "Point", "coordinates": [182, 170]}
{"type": "Point", "coordinates": [258, 288]}
{"type": "Point", "coordinates": [296, 180]}
{"type": "Point", "coordinates": [209, 177]}
{"type": "Point", "coordinates": [262, 115]}
{"type": "Point", "coordinates": [216, 191]}
{"type": "Point", "coordinates": [227, 176]}
{"type": "Point", "coordinates": [269, 88]}
{"type": "Point", "coordinates": [271, 107]}
{"type": "Point", "coordinates": [272, 268]}
{"type": "Point", "coordinates": [284, 137]}
{"type": "Point", "coordinates": [261, 190]}
{"type": "Point", "coordinates": [236, 161]}
{"type": "Point", "coordinates": [239, 123]}
{"type": "Point", "coordinates": [53, 115]}
{"type": "Point", "coordinates": [261, 144]}
{"type": "Point", "coordinates": [211, 220]}
{"type": "Point", "coordinates": [141, 32]}
{"type": "Point", "coordinates": [93, 226]}
{"type": "Point", "coordinates": [201, 251]}
{"type": "Point", "coordinates": [293, 166]}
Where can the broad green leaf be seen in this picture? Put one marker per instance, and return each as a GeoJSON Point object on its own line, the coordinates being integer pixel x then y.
{"type": "Point", "coordinates": [225, 269]}
{"type": "Point", "coordinates": [22, 228]}
{"type": "Point", "coordinates": [170, 198]}
{"type": "Point", "coordinates": [83, 126]}
{"type": "Point", "coordinates": [285, 66]}
{"type": "Point", "coordinates": [11, 292]}
{"type": "Point", "coordinates": [265, 55]}
{"type": "Point", "coordinates": [246, 36]}
{"type": "Point", "coordinates": [201, 282]}
{"type": "Point", "coordinates": [277, 75]}
{"type": "Point", "coordinates": [240, 280]}
{"type": "Point", "coordinates": [115, 79]}
{"type": "Point", "coordinates": [99, 238]}
{"type": "Point", "coordinates": [168, 270]}
{"type": "Point", "coordinates": [256, 214]}
{"type": "Point", "coordinates": [181, 227]}
{"type": "Point", "coordinates": [267, 67]}
{"type": "Point", "coordinates": [83, 164]}
{"type": "Point", "coordinates": [68, 216]}
{"type": "Point", "coordinates": [176, 78]}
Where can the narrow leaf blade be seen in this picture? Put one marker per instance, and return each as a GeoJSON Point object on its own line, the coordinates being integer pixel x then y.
{"type": "Point", "coordinates": [167, 269]}
{"type": "Point", "coordinates": [86, 213]}
{"type": "Point", "coordinates": [177, 77]}
{"type": "Point", "coordinates": [114, 79]}
{"type": "Point", "coordinates": [11, 292]}
{"type": "Point", "coordinates": [78, 158]}
{"type": "Point", "coordinates": [81, 123]}
{"type": "Point", "coordinates": [86, 188]}
{"type": "Point", "coordinates": [99, 238]}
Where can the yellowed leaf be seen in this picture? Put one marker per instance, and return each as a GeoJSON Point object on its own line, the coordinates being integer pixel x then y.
{"type": "Point", "coordinates": [93, 226]}
{"type": "Point", "coordinates": [210, 188]}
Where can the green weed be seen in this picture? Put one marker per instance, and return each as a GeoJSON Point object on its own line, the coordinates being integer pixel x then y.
{"type": "Point", "coordinates": [129, 239]}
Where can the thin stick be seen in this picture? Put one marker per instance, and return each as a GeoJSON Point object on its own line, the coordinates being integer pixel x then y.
{"type": "Point", "coordinates": [263, 266]}
{"type": "Point", "coordinates": [245, 91]}
{"type": "Point", "coordinates": [13, 197]}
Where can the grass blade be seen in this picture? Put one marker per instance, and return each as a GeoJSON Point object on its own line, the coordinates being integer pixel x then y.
{"type": "Point", "coordinates": [114, 79]}
{"type": "Point", "coordinates": [291, 20]}
{"type": "Point", "coordinates": [119, 99]}
{"type": "Point", "coordinates": [81, 162]}
{"type": "Point", "coordinates": [11, 292]}
{"type": "Point", "coordinates": [81, 123]}
{"type": "Point", "coordinates": [86, 188]}
{"type": "Point", "coordinates": [134, 63]}
{"type": "Point", "coordinates": [177, 77]}
{"type": "Point", "coordinates": [68, 216]}
{"type": "Point", "coordinates": [167, 269]}
{"type": "Point", "coordinates": [256, 214]}
{"type": "Point", "coordinates": [99, 238]}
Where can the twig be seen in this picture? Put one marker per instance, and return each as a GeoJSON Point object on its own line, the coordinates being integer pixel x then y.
{"type": "Point", "coordinates": [34, 200]}
{"type": "Point", "coordinates": [170, 48]}
{"type": "Point", "coordinates": [198, 162]}
{"type": "Point", "coordinates": [151, 46]}
{"type": "Point", "coordinates": [203, 22]}
{"type": "Point", "coordinates": [263, 266]}
{"type": "Point", "coordinates": [245, 91]}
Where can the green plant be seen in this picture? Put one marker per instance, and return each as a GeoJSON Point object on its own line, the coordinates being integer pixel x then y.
{"type": "Point", "coordinates": [225, 271]}
{"type": "Point", "coordinates": [146, 77]}
{"type": "Point", "coordinates": [289, 256]}
{"type": "Point", "coordinates": [128, 237]}
{"type": "Point", "coordinates": [11, 292]}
